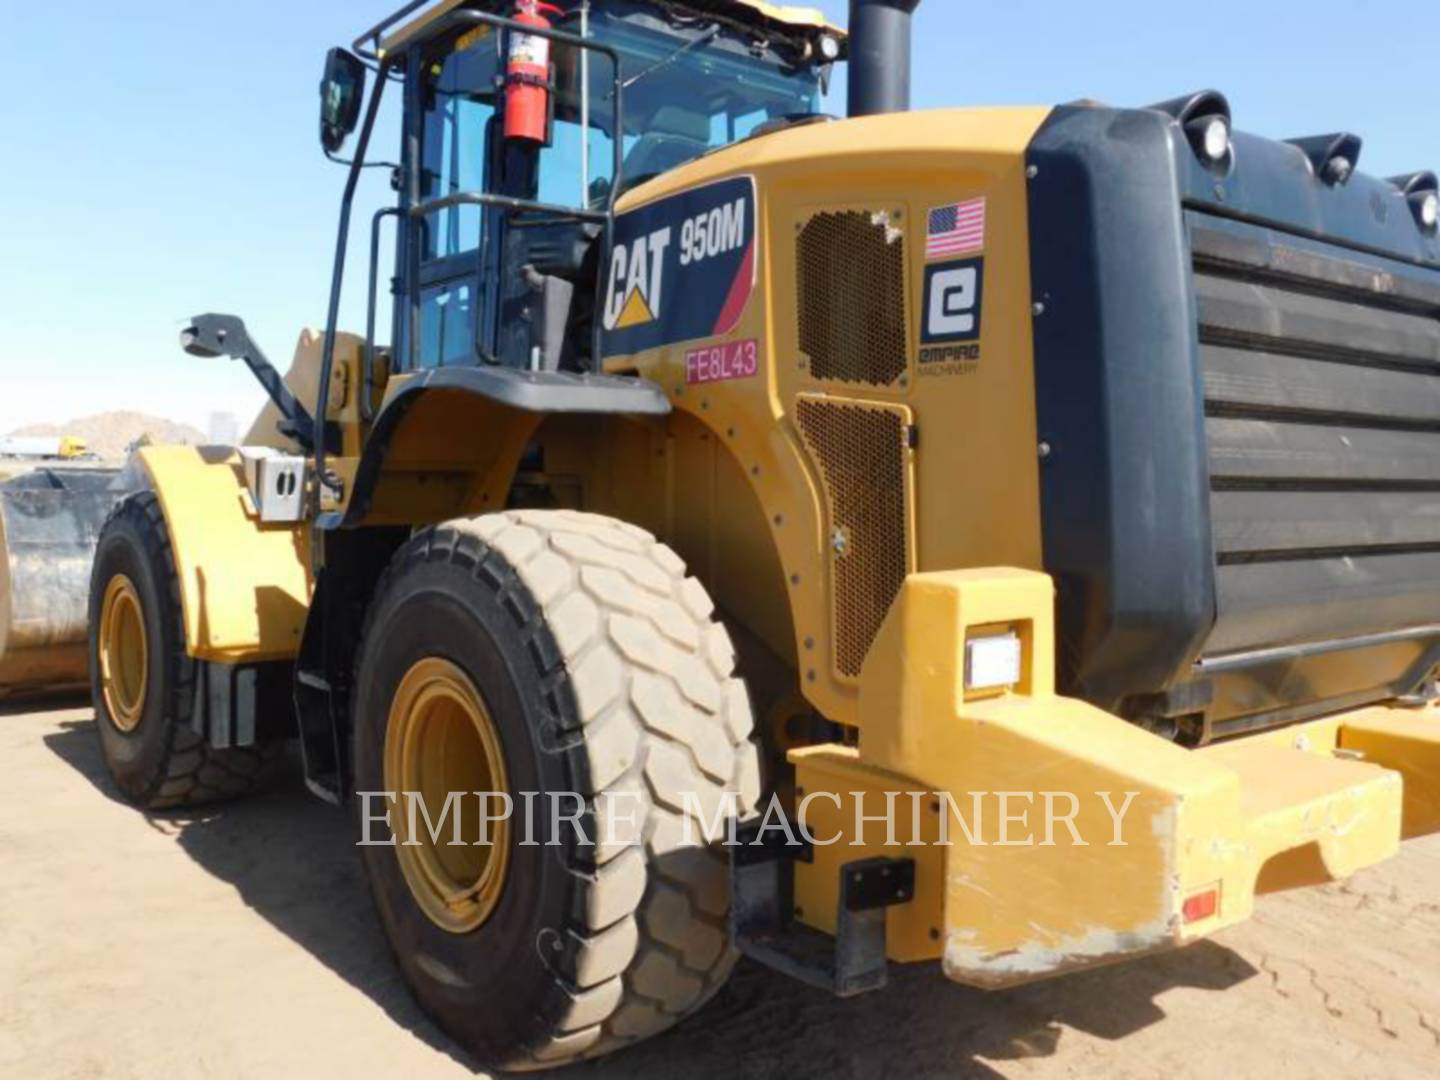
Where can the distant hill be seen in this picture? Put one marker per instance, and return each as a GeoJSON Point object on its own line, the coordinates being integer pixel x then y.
{"type": "Point", "coordinates": [110, 434]}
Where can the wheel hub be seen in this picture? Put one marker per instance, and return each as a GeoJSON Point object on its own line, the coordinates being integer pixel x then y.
{"type": "Point", "coordinates": [124, 653]}
{"type": "Point", "coordinates": [440, 741]}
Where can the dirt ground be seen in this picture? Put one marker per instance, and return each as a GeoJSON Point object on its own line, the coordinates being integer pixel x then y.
{"type": "Point", "coordinates": [241, 942]}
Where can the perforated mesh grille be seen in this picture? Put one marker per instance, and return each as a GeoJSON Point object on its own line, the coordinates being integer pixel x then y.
{"type": "Point", "coordinates": [861, 451]}
{"type": "Point", "coordinates": [851, 291]}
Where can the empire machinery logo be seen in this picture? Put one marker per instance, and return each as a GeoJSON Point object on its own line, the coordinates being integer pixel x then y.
{"type": "Point", "coordinates": [954, 288]}
{"type": "Point", "coordinates": [818, 819]}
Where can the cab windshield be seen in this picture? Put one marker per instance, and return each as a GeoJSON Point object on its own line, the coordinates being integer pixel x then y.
{"type": "Point", "coordinates": [690, 86]}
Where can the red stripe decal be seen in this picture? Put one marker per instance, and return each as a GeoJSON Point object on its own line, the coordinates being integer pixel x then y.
{"type": "Point", "coordinates": [739, 296]}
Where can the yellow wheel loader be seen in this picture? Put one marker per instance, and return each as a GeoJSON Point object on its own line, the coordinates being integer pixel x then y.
{"type": "Point", "coordinates": [1000, 538]}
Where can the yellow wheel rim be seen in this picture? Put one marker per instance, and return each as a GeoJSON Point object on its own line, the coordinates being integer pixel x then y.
{"type": "Point", "coordinates": [440, 740]}
{"type": "Point", "coordinates": [124, 653]}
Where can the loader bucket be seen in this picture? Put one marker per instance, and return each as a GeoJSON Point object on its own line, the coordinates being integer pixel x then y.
{"type": "Point", "coordinates": [50, 520]}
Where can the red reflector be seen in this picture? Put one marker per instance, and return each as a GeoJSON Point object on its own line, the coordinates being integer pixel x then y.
{"type": "Point", "coordinates": [1201, 906]}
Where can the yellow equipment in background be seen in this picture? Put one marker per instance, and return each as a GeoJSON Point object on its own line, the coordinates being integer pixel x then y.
{"type": "Point", "coordinates": [1054, 483]}
{"type": "Point", "coordinates": [43, 447]}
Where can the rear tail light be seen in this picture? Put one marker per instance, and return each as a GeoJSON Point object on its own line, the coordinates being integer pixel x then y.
{"type": "Point", "coordinates": [1201, 906]}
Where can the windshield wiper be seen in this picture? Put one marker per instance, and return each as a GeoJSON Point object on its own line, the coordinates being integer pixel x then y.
{"type": "Point", "coordinates": [704, 39]}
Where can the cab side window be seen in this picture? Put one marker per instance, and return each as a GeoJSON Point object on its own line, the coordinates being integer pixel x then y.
{"type": "Point", "coordinates": [456, 134]}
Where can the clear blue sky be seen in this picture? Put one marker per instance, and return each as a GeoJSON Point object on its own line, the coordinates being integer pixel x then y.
{"type": "Point", "coordinates": [160, 158]}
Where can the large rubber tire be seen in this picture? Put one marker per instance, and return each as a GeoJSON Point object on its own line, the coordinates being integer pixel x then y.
{"type": "Point", "coordinates": [604, 673]}
{"type": "Point", "coordinates": [161, 763]}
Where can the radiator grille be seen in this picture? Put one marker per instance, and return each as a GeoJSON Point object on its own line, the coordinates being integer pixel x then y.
{"type": "Point", "coordinates": [863, 455]}
{"type": "Point", "coordinates": [1321, 375]}
{"type": "Point", "coordinates": [851, 291]}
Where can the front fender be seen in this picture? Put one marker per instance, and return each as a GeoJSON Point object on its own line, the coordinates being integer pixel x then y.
{"type": "Point", "coordinates": [244, 586]}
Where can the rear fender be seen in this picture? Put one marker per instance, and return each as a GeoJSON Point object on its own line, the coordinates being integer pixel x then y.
{"type": "Point", "coordinates": [448, 440]}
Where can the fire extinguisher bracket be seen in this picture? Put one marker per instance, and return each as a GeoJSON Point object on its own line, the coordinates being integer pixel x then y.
{"type": "Point", "coordinates": [532, 80]}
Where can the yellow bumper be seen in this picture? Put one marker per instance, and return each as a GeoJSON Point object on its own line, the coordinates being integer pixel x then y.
{"type": "Point", "coordinates": [1072, 837]}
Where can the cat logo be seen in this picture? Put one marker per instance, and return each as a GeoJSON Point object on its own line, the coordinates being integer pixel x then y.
{"type": "Point", "coordinates": [637, 281]}
{"type": "Point", "coordinates": [682, 269]}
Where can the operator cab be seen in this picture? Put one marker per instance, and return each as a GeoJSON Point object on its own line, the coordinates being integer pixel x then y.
{"type": "Point", "coordinates": [510, 131]}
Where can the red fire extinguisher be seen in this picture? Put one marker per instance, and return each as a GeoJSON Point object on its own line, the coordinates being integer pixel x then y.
{"type": "Point", "coordinates": [527, 74]}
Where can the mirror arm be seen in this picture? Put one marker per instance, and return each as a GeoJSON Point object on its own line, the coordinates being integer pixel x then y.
{"type": "Point", "coordinates": [347, 162]}
{"type": "Point", "coordinates": [225, 335]}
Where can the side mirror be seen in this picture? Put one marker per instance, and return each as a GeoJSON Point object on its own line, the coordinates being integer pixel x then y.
{"type": "Point", "coordinates": [341, 91]}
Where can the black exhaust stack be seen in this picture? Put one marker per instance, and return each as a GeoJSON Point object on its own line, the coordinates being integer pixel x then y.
{"type": "Point", "coordinates": [880, 56]}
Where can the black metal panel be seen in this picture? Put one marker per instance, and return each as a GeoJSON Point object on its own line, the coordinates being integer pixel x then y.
{"type": "Point", "coordinates": [1252, 524]}
{"type": "Point", "coordinates": [1251, 315]}
{"type": "Point", "coordinates": [1267, 382]}
{"type": "Point", "coordinates": [1246, 247]}
{"type": "Point", "coordinates": [1125, 489]}
{"type": "Point", "coordinates": [1256, 452]}
{"type": "Point", "coordinates": [1323, 395]}
{"type": "Point", "coordinates": [1315, 599]}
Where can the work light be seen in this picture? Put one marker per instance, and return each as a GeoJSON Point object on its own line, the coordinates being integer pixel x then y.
{"type": "Point", "coordinates": [1427, 209]}
{"type": "Point", "coordinates": [993, 661]}
{"type": "Point", "coordinates": [1421, 190]}
{"type": "Point", "coordinates": [1338, 170]}
{"type": "Point", "coordinates": [1210, 136]}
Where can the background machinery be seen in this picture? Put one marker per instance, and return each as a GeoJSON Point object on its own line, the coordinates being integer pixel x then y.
{"type": "Point", "coordinates": [43, 447]}
{"type": "Point", "coordinates": [721, 447]}
{"type": "Point", "coordinates": [50, 518]}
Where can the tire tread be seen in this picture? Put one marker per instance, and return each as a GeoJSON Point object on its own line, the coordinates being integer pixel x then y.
{"type": "Point", "coordinates": [606, 608]}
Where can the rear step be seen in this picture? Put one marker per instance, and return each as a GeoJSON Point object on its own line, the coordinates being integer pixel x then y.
{"type": "Point", "coordinates": [762, 914]}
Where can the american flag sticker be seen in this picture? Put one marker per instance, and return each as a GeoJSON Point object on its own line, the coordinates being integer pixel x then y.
{"type": "Point", "coordinates": [956, 229]}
